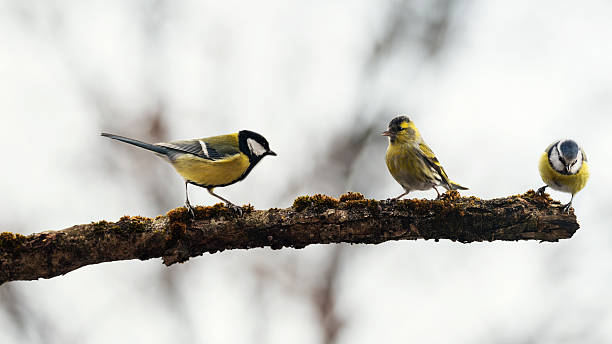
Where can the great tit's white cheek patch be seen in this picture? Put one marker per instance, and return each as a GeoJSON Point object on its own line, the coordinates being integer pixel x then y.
{"type": "Point", "coordinates": [255, 147]}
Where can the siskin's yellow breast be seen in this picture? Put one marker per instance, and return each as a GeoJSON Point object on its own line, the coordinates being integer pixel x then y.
{"type": "Point", "coordinates": [571, 183]}
{"type": "Point", "coordinates": [407, 168]}
{"type": "Point", "coordinates": [211, 173]}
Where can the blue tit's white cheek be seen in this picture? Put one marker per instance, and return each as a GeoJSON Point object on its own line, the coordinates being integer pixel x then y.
{"type": "Point", "coordinates": [255, 147]}
{"type": "Point", "coordinates": [577, 165]}
{"type": "Point", "coordinates": [555, 160]}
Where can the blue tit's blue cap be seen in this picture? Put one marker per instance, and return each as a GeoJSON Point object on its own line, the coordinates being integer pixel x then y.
{"type": "Point", "coordinates": [569, 149]}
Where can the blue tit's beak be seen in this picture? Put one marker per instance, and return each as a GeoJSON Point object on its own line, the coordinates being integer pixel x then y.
{"type": "Point", "coordinates": [568, 168]}
{"type": "Point", "coordinates": [270, 153]}
{"type": "Point", "coordinates": [387, 133]}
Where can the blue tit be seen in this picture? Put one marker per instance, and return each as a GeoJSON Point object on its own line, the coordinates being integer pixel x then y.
{"type": "Point", "coordinates": [563, 166]}
{"type": "Point", "coordinates": [212, 161]}
{"type": "Point", "coordinates": [411, 162]}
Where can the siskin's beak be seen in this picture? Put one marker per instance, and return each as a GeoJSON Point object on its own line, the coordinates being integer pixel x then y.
{"type": "Point", "coordinates": [387, 133]}
{"type": "Point", "coordinates": [270, 153]}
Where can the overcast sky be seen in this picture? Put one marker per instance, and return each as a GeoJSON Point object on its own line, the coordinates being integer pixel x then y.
{"type": "Point", "coordinates": [507, 79]}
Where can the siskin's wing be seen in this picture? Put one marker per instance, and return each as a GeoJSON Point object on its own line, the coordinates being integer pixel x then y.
{"type": "Point", "coordinates": [430, 158]}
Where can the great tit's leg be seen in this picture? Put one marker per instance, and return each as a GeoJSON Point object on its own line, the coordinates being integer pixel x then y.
{"type": "Point", "coordinates": [438, 192]}
{"type": "Point", "coordinates": [187, 204]}
{"type": "Point", "coordinates": [567, 207]}
{"type": "Point", "coordinates": [228, 203]}
{"type": "Point", "coordinates": [400, 196]}
{"type": "Point", "coordinates": [541, 190]}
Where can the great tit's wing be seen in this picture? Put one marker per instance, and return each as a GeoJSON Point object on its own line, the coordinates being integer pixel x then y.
{"type": "Point", "coordinates": [430, 158]}
{"type": "Point", "coordinates": [210, 148]}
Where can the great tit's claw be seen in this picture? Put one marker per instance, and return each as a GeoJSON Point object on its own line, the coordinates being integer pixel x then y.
{"type": "Point", "coordinates": [190, 209]}
{"type": "Point", "coordinates": [235, 208]}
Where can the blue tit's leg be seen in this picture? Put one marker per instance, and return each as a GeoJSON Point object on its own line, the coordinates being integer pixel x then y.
{"type": "Point", "coordinates": [228, 203]}
{"type": "Point", "coordinates": [567, 207]}
{"type": "Point", "coordinates": [187, 204]}
{"type": "Point", "coordinates": [541, 190]}
{"type": "Point", "coordinates": [400, 196]}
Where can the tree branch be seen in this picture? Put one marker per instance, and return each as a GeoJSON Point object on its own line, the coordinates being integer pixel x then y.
{"type": "Point", "coordinates": [311, 220]}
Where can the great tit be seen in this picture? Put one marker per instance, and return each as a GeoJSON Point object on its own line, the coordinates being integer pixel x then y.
{"type": "Point", "coordinates": [563, 166]}
{"type": "Point", "coordinates": [212, 161]}
{"type": "Point", "coordinates": [411, 162]}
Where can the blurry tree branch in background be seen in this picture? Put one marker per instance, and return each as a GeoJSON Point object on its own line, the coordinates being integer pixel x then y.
{"type": "Point", "coordinates": [311, 220]}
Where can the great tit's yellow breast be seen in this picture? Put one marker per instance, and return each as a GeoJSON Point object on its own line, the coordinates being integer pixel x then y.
{"type": "Point", "coordinates": [211, 173]}
{"type": "Point", "coordinates": [571, 183]}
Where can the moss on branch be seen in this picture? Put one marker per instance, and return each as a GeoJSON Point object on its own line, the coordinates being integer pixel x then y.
{"type": "Point", "coordinates": [317, 219]}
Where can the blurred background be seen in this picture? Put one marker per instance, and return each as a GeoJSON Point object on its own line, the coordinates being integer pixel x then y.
{"type": "Point", "coordinates": [489, 83]}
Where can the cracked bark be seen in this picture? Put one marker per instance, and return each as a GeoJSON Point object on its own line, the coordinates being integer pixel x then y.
{"type": "Point", "coordinates": [311, 220]}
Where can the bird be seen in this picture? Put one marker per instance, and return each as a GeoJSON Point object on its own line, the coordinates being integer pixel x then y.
{"type": "Point", "coordinates": [563, 166]}
{"type": "Point", "coordinates": [210, 162]}
{"type": "Point", "coordinates": [410, 160]}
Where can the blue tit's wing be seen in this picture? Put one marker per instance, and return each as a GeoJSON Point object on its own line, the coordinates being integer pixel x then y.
{"type": "Point", "coordinates": [210, 148]}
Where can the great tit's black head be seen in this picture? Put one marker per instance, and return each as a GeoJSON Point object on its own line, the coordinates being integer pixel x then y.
{"type": "Point", "coordinates": [253, 145]}
{"type": "Point", "coordinates": [566, 157]}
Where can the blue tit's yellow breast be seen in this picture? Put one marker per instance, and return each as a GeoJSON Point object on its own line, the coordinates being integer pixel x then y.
{"type": "Point", "coordinates": [571, 183]}
{"type": "Point", "coordinates": [211, 173]}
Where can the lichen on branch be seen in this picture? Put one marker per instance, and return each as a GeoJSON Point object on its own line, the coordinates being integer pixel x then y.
{"type": "Point", "coordinates": [317, 219]}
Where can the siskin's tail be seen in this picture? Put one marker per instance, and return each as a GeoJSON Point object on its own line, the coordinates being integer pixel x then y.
{"type": "Point", "coordinates": [154, 148]}
{"type": "Point", "coordinates": [455, 186]}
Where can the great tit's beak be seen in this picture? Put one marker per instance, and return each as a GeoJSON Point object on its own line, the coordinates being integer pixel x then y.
{"type": "Point", "coordinates": [270, 153]}
{"type": "Point", "coordinates": [387, 133]}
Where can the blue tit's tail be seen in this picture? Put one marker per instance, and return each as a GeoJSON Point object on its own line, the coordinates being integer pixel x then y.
{"type": "Point", "coordinates": [455, 186]}
{"type": "Point", "coordinates": [154, 148]}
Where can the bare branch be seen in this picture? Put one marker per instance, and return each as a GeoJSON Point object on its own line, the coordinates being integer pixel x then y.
{"type": "Point", "coordinates": [311, 220]}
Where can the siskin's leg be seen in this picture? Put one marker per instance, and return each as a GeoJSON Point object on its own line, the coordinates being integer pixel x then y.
{"type": "Point", "coordinates": [541, 190]}
{"type": "Point", "coordinates": [438, 192]}
{"type": "Point", "coordinates": [229, 204]}
{"type": "Point", "coordinates": [187, 204]}
{"type": "Point", "coordinates": [567, 207]}
{"type": "Point", "coordinates": [400, 196]}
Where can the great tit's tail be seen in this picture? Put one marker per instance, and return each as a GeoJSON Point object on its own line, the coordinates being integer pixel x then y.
{"type": "Point", "coordinates": [154, 148]}
{"type": "Point", "coordinates": [455, 186]}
